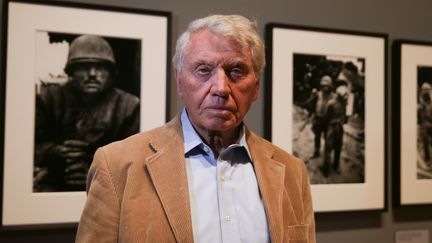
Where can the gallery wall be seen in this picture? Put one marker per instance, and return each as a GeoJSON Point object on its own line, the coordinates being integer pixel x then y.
{"type": "Point", "coordinates": [398, 18]}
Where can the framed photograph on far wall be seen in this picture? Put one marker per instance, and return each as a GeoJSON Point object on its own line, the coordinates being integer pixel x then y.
{"type": "Point", "coordinates": [325, 99]}
{"type": "Point", "coordinates": [77, 77]}
{"type": "Point", "coordinates": [412, 116]}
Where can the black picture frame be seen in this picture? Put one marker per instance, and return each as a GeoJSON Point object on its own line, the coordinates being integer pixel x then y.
{"type": "Point", "coordinates": [293, 51]}
{"type": "Point", "coordinates": [22, 21]}
{"type": "Point", "coordinates": [412, 172]}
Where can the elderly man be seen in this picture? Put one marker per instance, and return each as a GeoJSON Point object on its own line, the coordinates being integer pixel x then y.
{"type": "Point", "coordinates": [204, 176]}
{"type": "Point", "coordinates": [75, 118]}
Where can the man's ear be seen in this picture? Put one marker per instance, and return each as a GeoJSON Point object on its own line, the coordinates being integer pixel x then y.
{"type": "Point", "coordinates": [177, 77]}
{"type": "Point", "coordinates": [257, 90]}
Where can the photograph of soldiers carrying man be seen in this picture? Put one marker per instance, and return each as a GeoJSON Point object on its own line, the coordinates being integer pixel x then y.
{"type": "Point", "coordinates": [424, 121]}
{"type": "Point", "coordinates": [328, 117]}
{"type": "Point", "coordinates": [87, 95]}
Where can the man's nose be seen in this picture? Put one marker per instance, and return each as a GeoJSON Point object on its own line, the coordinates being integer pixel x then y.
{"type": "Point", "coordinates": [92, 70]}
{"type": "Point", "coordinates": [221, 83]}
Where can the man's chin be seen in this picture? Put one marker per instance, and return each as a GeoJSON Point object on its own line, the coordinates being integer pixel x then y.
{"type": "Point", "coordinates": [91, 96]}
{"type": "Point", "coordinates": [220, 125]}
{"type": "Point", "coordinates": [92, 90]}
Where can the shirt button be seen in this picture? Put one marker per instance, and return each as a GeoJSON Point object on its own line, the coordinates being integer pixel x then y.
{"type": "Point", "coordinates": [227, 218]}
{"type": "Point", "coordinates": [222, 178]}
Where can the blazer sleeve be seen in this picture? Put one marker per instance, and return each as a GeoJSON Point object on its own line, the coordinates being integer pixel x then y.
{"type": "Point", "coordinates": [100, 218]}
{"type": "Point", "coordinates": [308, 208]}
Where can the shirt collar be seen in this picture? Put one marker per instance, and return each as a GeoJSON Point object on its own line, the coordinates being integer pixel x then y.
{"type": "Point", "coordinates": [190, 136]}
{"type": "Point", "coordinates": [193, 140]}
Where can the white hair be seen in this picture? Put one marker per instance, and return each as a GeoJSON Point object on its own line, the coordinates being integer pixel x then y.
{"type": "Point", "coordinates": [240, 28]}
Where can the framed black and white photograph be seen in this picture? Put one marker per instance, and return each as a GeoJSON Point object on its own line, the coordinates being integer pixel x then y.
{"type": "Point", "coordinates": [325, 96]}
{"type": "Point", "coordinates": [77, 77]}
{"type": "Point", "coordinates": [413, 115]}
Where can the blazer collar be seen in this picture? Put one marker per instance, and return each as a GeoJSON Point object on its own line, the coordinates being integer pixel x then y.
{"type": "Point", "coordinates": [168, 172]}
{"type": "Point", "coordinates": [270, 176]}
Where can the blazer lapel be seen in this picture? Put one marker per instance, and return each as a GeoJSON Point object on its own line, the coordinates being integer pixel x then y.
{"type": "Point", "coordinates": [168, 172]}
{"type": "Point", "coordinates": [270, 176]}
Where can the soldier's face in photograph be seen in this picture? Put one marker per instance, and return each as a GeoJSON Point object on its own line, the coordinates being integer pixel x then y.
{"type": "Point", "coordinates": [91, 78]}
{"type": "Point", "coordinates": [425, 95]}
{"type": "Point", "coordinates": [325, 88]}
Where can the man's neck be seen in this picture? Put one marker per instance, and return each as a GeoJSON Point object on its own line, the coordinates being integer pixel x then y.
{"type": "Point", "coordinates": [218, 140]}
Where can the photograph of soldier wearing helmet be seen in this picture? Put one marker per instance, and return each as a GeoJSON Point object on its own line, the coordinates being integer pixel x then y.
{"type": "Point", "coordinates": [87, 95]}
{"type": "Point", "coordinates": [424, 121]}
{"type": "Point", "coordinates": [328, 118]}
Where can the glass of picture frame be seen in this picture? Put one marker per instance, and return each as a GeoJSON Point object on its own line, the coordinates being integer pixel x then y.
{"type": "Point", "coordinates": [37, 40]}
{"type": "Point", "coordinates": [325, 99]}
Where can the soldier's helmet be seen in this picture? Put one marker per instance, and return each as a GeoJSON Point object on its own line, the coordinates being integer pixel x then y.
{"type": "Point", "coordinates": [89, 48]}
{"type": "Point", "coordinates": [326, 81]}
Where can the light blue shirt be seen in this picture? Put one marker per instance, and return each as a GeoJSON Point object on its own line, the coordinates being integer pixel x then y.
{"type": "Point", "coordinates": [226, 205]}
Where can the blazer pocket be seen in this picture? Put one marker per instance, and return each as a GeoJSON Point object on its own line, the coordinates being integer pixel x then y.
{"type": "Point", "coordinates": [298, 233]}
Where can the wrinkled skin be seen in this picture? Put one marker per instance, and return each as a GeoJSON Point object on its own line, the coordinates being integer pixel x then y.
{"type": "Point", "coordinates": [217, 84]}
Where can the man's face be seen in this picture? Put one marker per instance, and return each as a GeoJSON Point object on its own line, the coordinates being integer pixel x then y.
{"type": "Point", "coordinates": [91, 78]}
{"type": "Point", "coordinates": [326, 88]}
{"type": "Point", "coordinates": [217, 82]}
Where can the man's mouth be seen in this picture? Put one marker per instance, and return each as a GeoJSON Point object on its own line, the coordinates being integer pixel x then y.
{"type": "Point", "coordinates": [220, 110]}
{"type": "Point", "coordinates": [92, 82]}
{"type": "Point", "coordinates": [91, 86]}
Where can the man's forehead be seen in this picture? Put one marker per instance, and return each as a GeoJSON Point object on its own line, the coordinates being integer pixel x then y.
{"type": "Point", "coordinates": [205, 58]}
{"type": "Point", "coordinates": [204, 38]}
{"type": "Point", "coordinates": [206, 46]}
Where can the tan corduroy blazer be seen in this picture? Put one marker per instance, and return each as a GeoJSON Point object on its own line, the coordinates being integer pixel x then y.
{"type": "Point", "coordinates": [138, 191]}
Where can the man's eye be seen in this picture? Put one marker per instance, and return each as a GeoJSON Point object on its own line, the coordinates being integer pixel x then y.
{"type": "Point", "coordinates": [236, 72]}
{"type": "Point", "coordinates": [203, 70]}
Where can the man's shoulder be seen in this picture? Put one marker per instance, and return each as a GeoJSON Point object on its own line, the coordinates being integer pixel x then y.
{"type": "Point", "coordinates": [140, 144]}
{"type": "Point", "coordinates": [56, 93]}
{"type": "Point", "coordinates": [295, 168]}
{"type": "Point", "coordinates": [47, 89]}
{"type": "Point", "coordinates": [333, 101]}
{"type": "Point", "coordinates": [126, 96]}
{"type": "Point", "coordinates": [277, 152]}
